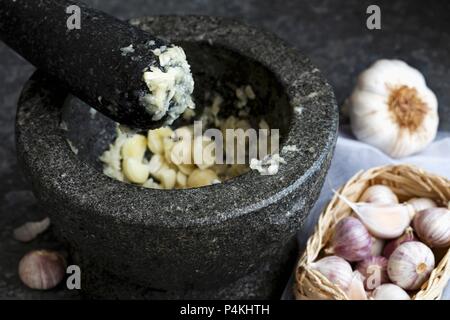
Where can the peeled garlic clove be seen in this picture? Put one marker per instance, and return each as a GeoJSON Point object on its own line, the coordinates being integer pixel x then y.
{"type": "Point", "coordinates": [156, 163]}
{"type": "Point", "coordinates": [186, 169]}
{"type": "Point", "coordinates": [42, 269]}
{"type": "Point", "coordinates": [200, 178]}
{"type": "Point", "coordinates": [356, 289]}
{"type": "Point", "coordinates": [181, 179]}
{"type": "Point", "coordinates": [31, 230]}
{"type": "Point", "coordinates": [134, 147]}
{"type": "Point", "coordinates": [181, 152]}
{"type": "Point", "coordinates": [374, 271]}
{"type": "Point", "coordinates": [377, 246]}
{"type": "Point", "coordinates": [154, 142]}
{"type": "Point", "coordinates": [420, 204]}
{"type": "Point", "coordinates": [167, 177]}
{"type": "Point", "coordinates": [410, 265]}
{"type": "Point", "coordinates": [379, 194]}
{"type": "Point", "coordinates": [350, 240]}
{"type": "Point", "coordinates": [390, 291]}
{"type": "Point", "coordinates": [336, 270]}
{"type": "Point", "coordinates": [383, 221]}
{"type": "Point", "coordinates": [433, 227]}
{"type": "Point", "coordinates": [393, 244]}
{"type": "Point", "coordinates": [204, 152]}
{"type": "Point", "coordinates": [135, 171]}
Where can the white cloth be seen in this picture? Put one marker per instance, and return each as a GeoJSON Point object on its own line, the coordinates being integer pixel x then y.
{"type": "Point", "coordinates": [352, 156]}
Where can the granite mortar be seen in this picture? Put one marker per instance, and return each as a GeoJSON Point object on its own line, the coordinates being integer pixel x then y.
{"type": "Point", "coordinates": [231, 240]}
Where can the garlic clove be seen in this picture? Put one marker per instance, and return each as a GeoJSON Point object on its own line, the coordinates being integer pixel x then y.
{"type": "Point", "coordinates": [156, 163]}
{"type": "Point", "coordinates": [379, 194]}
{"type": "Point", "coordinates": [135, 171]}
{"type": "Point", "coordinates": [200, 178]}
{"type": "Point", "coordinates": [186, 169]}
{"type": "Point", "coordinates": [181, 180]}
{"type": "Point", "coordinates": [374, 271]}
{"type": "Point", "coordinates": [154, 142]}
{"type": "Point", "coordinates": [356, 289]}
{"type": "Point", "coordinates": [433, 227]}
{"type": "Point", "coordinates": [181, 152]}
{"type": "Point", "coordinates": [30, 230]}
{"type": "Point", "coordinates": [382, 221]}
{"type": "Point", "coordinates": [42, 269]}
{"type": "Point", "coordinates": [134, 147]}
{"type": "Point", "coordinates": [336, 270]}
{"type": "Point", "coordinates": [420, 204]}
{"type": "Point", "coordinates": [410, 265]}
{"type": "Point", "coordinates": [167, 177]}
{"type": "Point", "coordinates": [350, 240]}
{"type": "Point", "coordinates": [390, 291]}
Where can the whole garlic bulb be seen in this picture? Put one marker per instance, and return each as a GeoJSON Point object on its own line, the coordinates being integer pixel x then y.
{"type": "Point", "coordinates": [393, 244]}
{"type": "Point", "coordinates": [433, 227]}
{"type": "Point", "coordinates": [420, 204]}
{"type": "Point", "coordinates": [350, 240]}
{"type": "Point", "coordinates": [390, 291]}
{"type": "Point", "coordinates": [392, 109]}
{"type": "Point", "coordinates": [336, 270]}
{"type": "Point", "coordinates": [410, 265]}
{"type": "Point", "coordinates": [42, 269]}
{"type": "Point", "coordinates": [374, 271]}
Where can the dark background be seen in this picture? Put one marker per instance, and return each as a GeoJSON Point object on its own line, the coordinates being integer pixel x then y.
{"type": "Point", "coordinates": [332, 33]}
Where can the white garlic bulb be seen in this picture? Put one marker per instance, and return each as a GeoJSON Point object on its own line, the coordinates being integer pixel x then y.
{"type": "Point", "coordinates": [390, 291]}
{"type": "Point", "coordinates": [420, 204]}
{"type": "Point", "coordinates": [379, 194]}
{"type": "Point", "coordinates": [410, 265]}
{"type": "Point", "coordinates": [433, 227]}
{"type": "Point", "coordinates": [336, 270]}
{"type": "Point", "coordinates": [392, 109]}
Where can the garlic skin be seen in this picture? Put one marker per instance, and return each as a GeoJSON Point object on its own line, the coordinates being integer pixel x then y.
{"type": "Point", "coordinates": [420, 204]}
{"type": "Point", "coordinates": [383, 221]}
{"type": "Point", "coordinates": [350, 240]}
{"type": "Point", "coordinates": [433, 227]}
{"type": "Point", "coordinates": [30, 230]}
{"type": "Point", "coordinates": [393, 244]}
{"type": "Point", "coordinates": [379, 194]}
{"type": "Point", "coordinates": [374, 271]}
{"type": "Point", "coordinates": [336, 270]}
{"type": "Point", "coordinates": [392, 109]}
{"type": "Point", "coordinates": [42, 269]}
{"type": "Point", "coordinates": [410, 265]}
{"type": "Point", "coordinates": [390, 291]}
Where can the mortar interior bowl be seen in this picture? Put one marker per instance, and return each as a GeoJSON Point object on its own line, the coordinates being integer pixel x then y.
{"type": "Point", "coordinates": [229, 240]}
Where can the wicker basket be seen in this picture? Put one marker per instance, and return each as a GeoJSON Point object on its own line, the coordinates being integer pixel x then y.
{"type": "Point", "coordinates": [407, 182]}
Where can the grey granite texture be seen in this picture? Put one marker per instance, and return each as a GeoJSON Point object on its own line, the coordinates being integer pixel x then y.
{"type": "Point", "coordinates": [229, 240]}
{"type": "Point", "coordinates": [332, 33]}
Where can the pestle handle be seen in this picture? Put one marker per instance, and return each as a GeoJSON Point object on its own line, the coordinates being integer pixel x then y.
{"type": "Point", "coordinates": [88, 61]}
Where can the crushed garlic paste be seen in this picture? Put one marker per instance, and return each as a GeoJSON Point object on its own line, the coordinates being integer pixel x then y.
{"type": "Point", "coordinates": [171, 86]}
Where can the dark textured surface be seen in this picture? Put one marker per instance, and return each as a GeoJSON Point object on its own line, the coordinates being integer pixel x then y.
{"type": "Point", "coordinates": [88, 61]}
{"type": "Point", "coordinates": [193, 243]}
{"type": "Point", "coordinates": [332, 33]}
